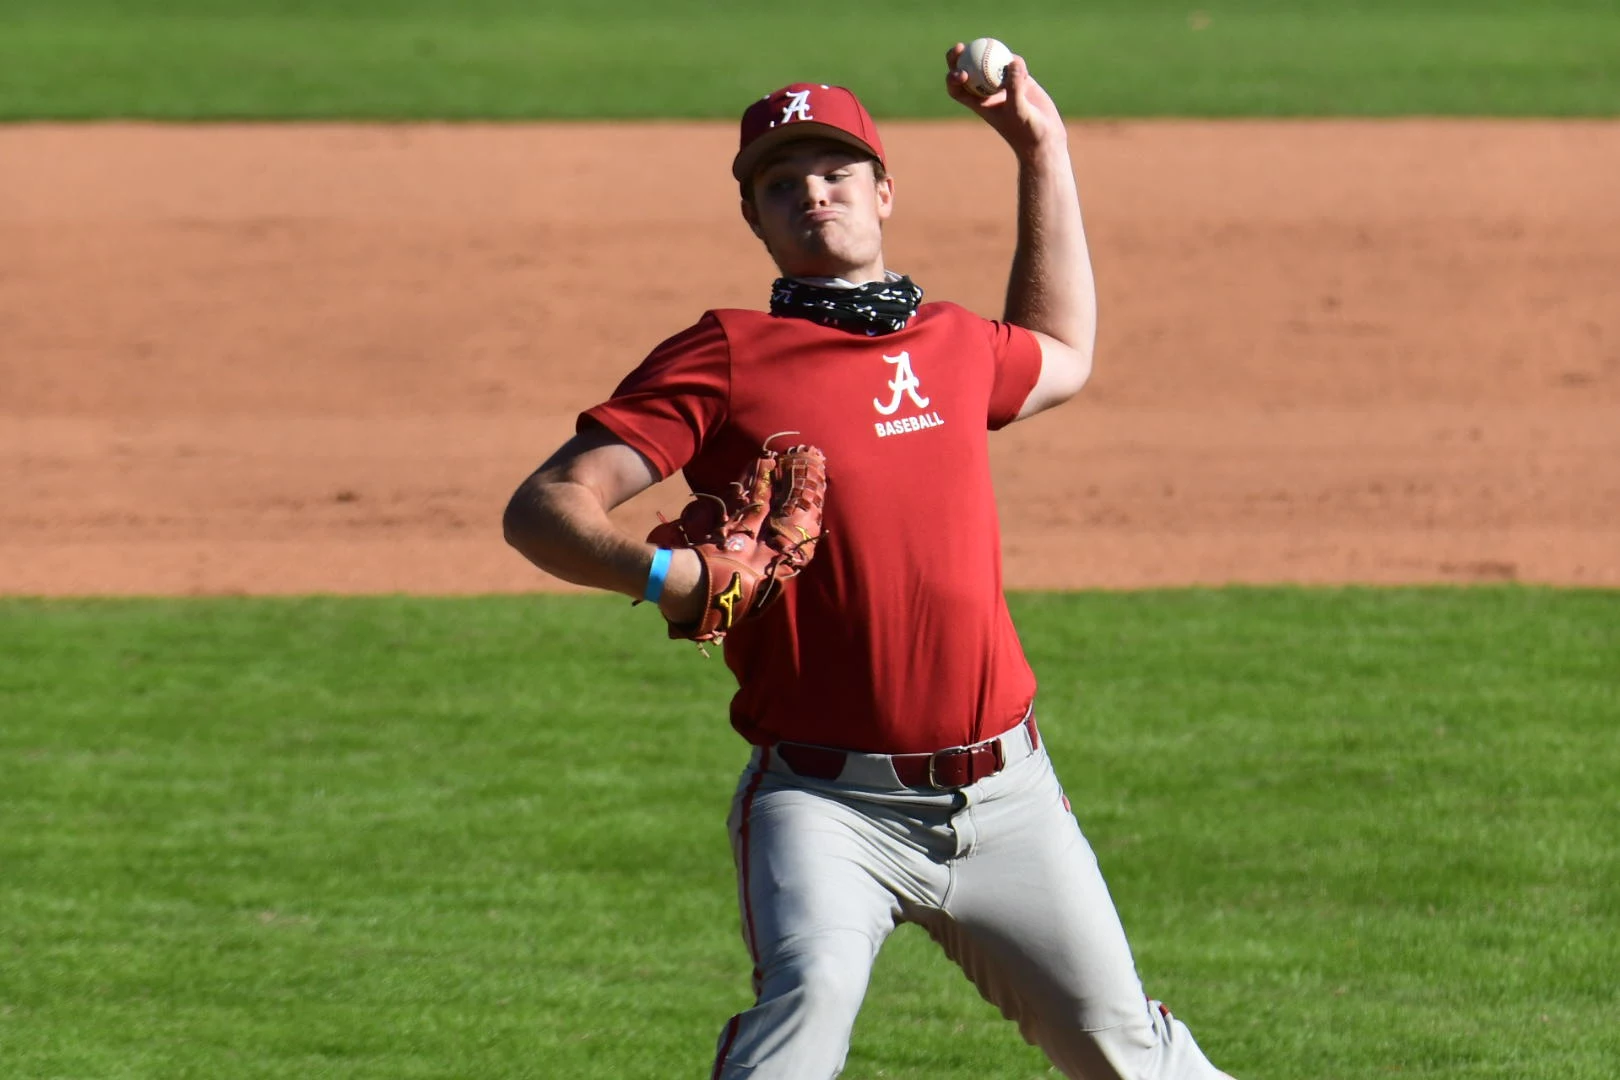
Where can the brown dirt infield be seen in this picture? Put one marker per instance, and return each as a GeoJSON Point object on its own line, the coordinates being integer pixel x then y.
{"type": "Point", "coordinates": [319, 358]}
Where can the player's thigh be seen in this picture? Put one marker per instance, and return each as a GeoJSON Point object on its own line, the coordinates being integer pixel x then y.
{"type": "Point", "coordinates": [810, 865]}
{"type": "Point", "coordinates": [1030, 918]}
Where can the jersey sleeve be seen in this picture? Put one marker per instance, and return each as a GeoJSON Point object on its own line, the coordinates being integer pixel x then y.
{"type": "Point", "coordinates": [674, 400]}
{"type": "Point", "coordinates": [1018, 365]}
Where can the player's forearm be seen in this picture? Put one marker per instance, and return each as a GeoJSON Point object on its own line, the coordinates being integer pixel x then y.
{"type": "Point", "coordinates": [562, 528]}
{"type": "Point", "coordinates": [1051, 288]}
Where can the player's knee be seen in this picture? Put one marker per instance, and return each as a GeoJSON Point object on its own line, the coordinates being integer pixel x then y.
{"type": "Point", "coordinates": [823, 983]}
{"type": "Point", "coordinates": [832, 985]}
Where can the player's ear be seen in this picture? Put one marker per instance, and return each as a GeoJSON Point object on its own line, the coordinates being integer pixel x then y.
{"type": "Point", "coordinates": [885, 194]}
{"type": "Point", "coordinates": [750, 214]}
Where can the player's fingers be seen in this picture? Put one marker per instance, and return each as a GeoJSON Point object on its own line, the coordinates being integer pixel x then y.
{"type": "Point", "coordinates": [1016, 74]}
{"type": "Point", "coordinates": [953, 52]}
{"type": "Point", "coordinates": [1020, 85]}
{"type": "Point", "coordinates": [956, 84]}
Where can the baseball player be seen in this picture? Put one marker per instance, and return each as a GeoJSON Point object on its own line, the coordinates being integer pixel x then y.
{"type": "Point", "coordinates": [897, 772]}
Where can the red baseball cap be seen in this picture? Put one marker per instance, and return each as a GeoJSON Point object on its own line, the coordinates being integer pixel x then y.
{"type": "Point", "coordinates": [804, 111]}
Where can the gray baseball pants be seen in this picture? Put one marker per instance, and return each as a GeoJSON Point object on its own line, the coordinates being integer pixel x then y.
{"type": "Point", "coordinates": [998, 873]}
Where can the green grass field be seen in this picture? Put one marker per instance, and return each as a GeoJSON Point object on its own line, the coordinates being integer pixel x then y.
{"type": "Point", "coordinates": [1353, 834]}
{"type": "Point", "coordinates": [509, 59]}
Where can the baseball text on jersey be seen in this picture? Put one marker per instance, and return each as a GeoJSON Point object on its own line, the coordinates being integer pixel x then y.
{"type": "Point", "coordinates": [907, 424]}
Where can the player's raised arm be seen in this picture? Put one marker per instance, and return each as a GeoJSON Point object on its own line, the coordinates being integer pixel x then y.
{"type": "Point", "coordinates": [1050, 290]}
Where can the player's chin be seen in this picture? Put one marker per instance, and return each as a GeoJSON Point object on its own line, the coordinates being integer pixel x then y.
{"type": "Point", "coordinates": [818, 235]}
{"type": "Point", "coordinates": [815, 260]}
{"type": "Point", "coordinates": [823, 268]}
{"type": "Point", "coordinates": [831, 251]}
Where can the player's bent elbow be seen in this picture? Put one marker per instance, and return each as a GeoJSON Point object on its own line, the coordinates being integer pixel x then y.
{"type": "Point", "coordinates": [1074, 378]}
{"type": "Point", "coordinates": [517, 522]}
{"type": "Point", "coordinates": [530, 517]}
{"type": "Point", "coordinates": [558, 525]}
{"type": "Point", "coordinates": [1064, 372]}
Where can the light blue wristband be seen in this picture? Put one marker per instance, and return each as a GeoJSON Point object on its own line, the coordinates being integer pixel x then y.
{"type": "Point", "coordinates": [655, 576]}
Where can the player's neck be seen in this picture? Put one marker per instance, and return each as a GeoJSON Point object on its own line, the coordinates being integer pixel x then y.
{"type": "Point", "coordinates": [870, 308]}
{"type": "Point", "coordinates": [849, 280]}
{"type": "Point", "coordinates": [831, 272]}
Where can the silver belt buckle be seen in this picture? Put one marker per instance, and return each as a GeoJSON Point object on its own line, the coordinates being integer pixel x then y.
{"type": "Point", "coordinates": [997, 750]}
{"type": "Point", "coordinates": [933, 778]}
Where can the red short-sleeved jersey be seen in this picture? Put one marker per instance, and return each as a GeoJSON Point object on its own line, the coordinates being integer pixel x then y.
{"type": "Point", "coordinates": [896, 638]}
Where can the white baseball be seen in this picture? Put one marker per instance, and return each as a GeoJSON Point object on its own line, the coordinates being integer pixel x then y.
{"type": "Point", "coordinates": [985, 60]}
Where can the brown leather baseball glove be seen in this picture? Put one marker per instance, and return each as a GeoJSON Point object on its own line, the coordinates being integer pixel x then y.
{"type": "Point", "coordinates": [753, 542]}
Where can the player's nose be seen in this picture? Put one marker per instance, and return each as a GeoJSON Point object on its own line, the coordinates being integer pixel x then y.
{"type": "Point", "coordinates": [814, 192]}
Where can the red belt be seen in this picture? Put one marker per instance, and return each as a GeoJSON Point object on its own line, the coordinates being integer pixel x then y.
{"type": "Point", "coordinates": [953, 767]}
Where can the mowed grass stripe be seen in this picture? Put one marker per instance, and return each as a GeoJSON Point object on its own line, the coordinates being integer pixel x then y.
{"type": "Point", "coordinates": [503, 59]}
{"type": "Point", "coordinates": [1352, 833]}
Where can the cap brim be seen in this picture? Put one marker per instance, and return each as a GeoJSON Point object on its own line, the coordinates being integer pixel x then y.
{"type": "Point", "coordinates": [749, 157]}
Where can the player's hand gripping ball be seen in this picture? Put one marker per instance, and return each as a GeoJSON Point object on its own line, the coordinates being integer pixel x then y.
{"type": "Point", "coordinates": [753, 542]}
{"type": "Point", "coordinates": [985, 61]}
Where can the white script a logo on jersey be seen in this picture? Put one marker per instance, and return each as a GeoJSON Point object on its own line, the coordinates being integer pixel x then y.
{"type": "Point", "coordinates": [905, 384]}
{"type": "Point", "coordinates": [798, 106]}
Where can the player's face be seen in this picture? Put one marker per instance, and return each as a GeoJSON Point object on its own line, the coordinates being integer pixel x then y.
{"type": "Point", "coordinates": [820, 209]}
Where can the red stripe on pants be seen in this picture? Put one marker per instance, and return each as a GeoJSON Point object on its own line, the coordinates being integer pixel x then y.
{"type": "Point", "coordinates": [725, 1046]}
{"type": "Point", "coordinates": [747, 908]}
